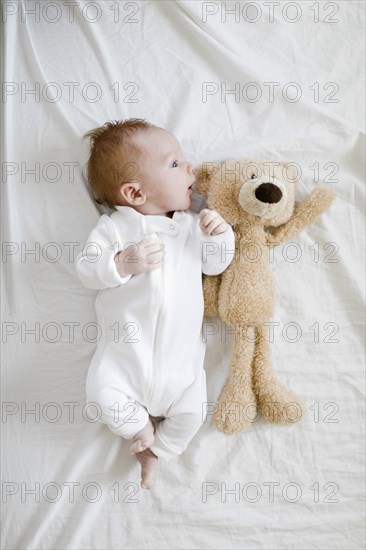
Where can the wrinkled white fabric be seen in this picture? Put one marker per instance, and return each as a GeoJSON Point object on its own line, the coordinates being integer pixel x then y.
{"type": "Point", "coordinates": [161, 54]}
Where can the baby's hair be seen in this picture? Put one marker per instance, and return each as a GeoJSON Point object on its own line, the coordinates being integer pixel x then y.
{"type": "Point", "coordinates": [112, 158]}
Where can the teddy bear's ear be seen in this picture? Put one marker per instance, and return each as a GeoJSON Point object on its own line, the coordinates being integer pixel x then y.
{"type": "Point", "coordinates": [205, 174]}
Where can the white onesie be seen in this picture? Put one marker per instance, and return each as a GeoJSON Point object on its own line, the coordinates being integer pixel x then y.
{"type": "Point", "coordinates": [149, 358]}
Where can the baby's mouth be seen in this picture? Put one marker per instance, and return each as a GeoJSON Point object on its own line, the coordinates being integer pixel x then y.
{"type": "Point", "coordinates": [193, 186]}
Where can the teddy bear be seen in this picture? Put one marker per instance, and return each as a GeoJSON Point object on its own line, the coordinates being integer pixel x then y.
{"type": "Point", "coordinates": [257, 198]}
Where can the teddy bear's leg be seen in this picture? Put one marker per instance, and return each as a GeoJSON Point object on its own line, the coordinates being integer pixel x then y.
{"type": "Point", "coordinates": [211, 287]}
{"type": "Point", "coordinates": [276, 402]}
{"type": "Point", "coordinates": [237, 408]}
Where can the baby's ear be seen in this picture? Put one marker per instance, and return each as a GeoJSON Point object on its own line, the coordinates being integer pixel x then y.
{"type": "Point", "coordinates": [205, 176]}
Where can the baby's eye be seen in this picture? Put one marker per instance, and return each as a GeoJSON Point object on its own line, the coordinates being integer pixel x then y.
{"type": "Point", "coordinates": [174, 164]}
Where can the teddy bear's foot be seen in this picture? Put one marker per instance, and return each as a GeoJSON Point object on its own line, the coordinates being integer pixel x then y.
{"type": "Point", "coordinates": [233, 416]}
{"type": "Point", "coordinates": [281, 405]}
{"type": "Point", "coordinates": [276, 402]}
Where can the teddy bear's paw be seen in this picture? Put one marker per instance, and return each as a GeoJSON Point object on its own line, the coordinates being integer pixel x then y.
{"type": "Point", "coordinates": [282, 406]}
{"type": "Point", "coordinates": [321, 198]}
{"type": "Point", "coordinates": [234, 416]}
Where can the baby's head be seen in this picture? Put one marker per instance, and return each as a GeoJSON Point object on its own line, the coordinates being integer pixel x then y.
{"type": "Point", "coordinates": [134, 163]}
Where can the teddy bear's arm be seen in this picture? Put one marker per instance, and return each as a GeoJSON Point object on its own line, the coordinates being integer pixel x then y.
{"type": "Point", "coordinates": [304, 214]}
{"type": "Point", "coordinates": [211, 288]}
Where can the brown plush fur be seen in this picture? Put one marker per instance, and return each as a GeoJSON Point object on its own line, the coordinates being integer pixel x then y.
{"type": "Point", "coordinates": [243, 296]}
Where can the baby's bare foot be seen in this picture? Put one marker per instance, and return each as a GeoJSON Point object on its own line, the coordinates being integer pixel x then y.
{"type": "Point", "coordinates": [149, 468]}
{"type": "Point", "coordinates": [143, 439]}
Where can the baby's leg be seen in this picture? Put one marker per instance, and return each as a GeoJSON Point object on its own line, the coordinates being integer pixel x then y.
{"type": "Point", "coordinates": [123, 415]}
{"type": "Point", "coordinates": [149, 468]}
{"type": "Point", "coordinates": [183, 420]}
{"type": "Point", "coordinates": [144, 438]}
{"type": "Point", "coordinates": [129, 419]}
{"type": "Point", "coordinates": [174, 433]}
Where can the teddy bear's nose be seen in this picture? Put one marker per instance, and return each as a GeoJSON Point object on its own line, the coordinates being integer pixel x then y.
{"type": "Point", "coordinates": [268, 192]}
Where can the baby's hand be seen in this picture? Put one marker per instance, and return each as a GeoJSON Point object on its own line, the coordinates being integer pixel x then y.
{"type": "Point", "coordinates": [145, 255]}
{"type": "Point", "coordinates": [211, 222]}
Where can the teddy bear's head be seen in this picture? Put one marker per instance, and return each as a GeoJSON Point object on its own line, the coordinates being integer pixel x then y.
{"type": "Point", "coordinates": [258, 191]}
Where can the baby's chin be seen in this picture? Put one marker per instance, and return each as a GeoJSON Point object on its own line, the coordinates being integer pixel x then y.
{"type": "Point", "coordinates": [183, 204]}
{"type": "Point", "coordinates": [187, 204]}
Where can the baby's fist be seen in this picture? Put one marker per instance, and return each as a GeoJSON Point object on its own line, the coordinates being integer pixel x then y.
{"type": "Point", "coordinates": [211, 222]}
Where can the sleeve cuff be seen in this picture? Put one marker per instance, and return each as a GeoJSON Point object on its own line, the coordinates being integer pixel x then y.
{"type": "Point", "coordinates": [217, 252]}
{"type": "Point", "coordinates": [113, 278]}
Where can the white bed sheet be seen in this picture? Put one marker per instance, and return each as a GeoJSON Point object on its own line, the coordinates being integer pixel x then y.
{"type": "Point", "coordinates": [316, 466]}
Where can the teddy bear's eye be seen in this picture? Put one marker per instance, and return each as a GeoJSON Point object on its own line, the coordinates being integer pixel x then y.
{"type": "Point", "coordinates": [252, 177]}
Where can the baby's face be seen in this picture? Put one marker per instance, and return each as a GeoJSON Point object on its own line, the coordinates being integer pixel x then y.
{"type": "Point", "coordinates": [164, 175]}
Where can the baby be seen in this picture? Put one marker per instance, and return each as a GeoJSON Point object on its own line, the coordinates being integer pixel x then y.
{"type": "Point", "coordinates": [146, 378]}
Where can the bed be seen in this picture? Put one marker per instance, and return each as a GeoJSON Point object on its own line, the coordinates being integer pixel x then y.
{"type": "Point", "coordinates": [267, 80]}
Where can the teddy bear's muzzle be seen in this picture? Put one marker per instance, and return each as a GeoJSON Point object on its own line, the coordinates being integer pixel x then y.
{"type": "Point", "coordinates": [269, 193]}
{"type": "Point", "coordinates": [265, 197]}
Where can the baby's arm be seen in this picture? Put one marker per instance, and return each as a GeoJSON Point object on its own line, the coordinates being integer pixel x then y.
{"type": "Point", "coordinates": [95, 265]}
{"type": "Point", "coordinates": [101, 266]}
{"type": "Point", "coordinates": [217, 242]}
